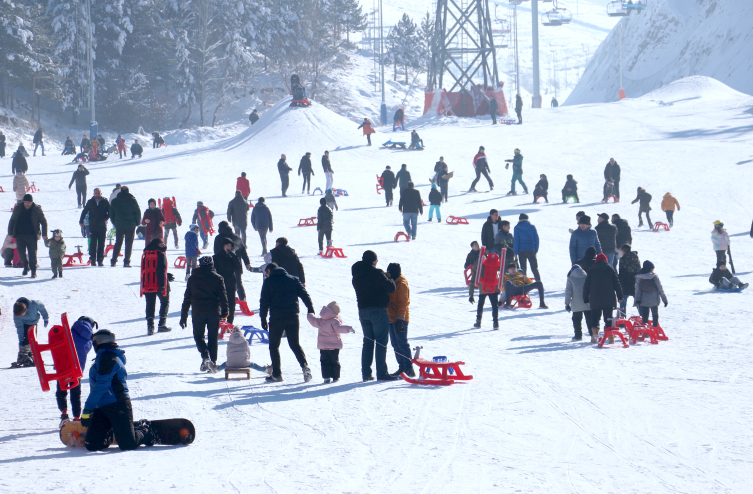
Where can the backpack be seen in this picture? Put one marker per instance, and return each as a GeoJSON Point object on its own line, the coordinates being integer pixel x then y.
{"type": "Point", "coordinates": [648, 285]}
{"type": "Point", "coordinates": [149, 280]}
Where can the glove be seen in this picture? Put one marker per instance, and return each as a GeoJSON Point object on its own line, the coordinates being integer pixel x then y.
{"type": "Point", "coordinates": [399, 326]}
{"type": "Point", "coordinates": [86, 418]}
{"type": "Point", "coordinates": [183, 323]}
{"type": "Point", "coordinates": [264, 324]}
{"type": "Point", "coordinates": [46, 323]}
{"type": "Point", "coordinates": [170, 277]}
{"type": "Point", "coordinates": [567, 308]}
{"type": "Point", "coordinates": [471, 299]}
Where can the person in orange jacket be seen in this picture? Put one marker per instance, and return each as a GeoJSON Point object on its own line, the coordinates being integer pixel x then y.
{"type": "Point", "coordinates": [367, 129]}
{"type": "Point", "coordinates": [668, 204]}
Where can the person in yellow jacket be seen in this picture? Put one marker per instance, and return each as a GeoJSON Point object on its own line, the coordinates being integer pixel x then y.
{"type": "Point", "coordinates": [668, 204]}
{"type": "Point", "coordinates": [398, 311]}
{"type": "Point", "coordinates": [517, 283]}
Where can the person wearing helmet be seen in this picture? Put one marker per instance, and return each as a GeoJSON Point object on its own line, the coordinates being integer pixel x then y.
{"type": "Point", "coordinates": [107, 411]}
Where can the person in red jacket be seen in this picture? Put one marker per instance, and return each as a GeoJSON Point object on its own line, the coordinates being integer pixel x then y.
{"type": "Point", "coordinates": [244, 186]}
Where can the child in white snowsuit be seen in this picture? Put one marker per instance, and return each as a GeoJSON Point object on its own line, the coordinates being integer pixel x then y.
{"type": "Point", "coordinates": [329, 342]}
{"type": "Point", "coordinates": [239, 353]}
{"type": "Point", "coordinates": [57, 251]}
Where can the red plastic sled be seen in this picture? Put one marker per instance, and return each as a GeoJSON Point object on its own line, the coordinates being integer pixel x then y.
{"type": "Point", "coordinates": [180, 262]}
{"type": "Point", "coordinates": [379, 185]}
{"type": "Point", "coordinates": [521, 301]}
{"type": "Point", "coordinates": [225, 326]}
{"type": "Point", "coordinates": [468, 274]}
{"type": "Point", "coordinates": [70, 263]}
{"type": "Point", "coordinates": [402, 234]}
{"type": "Point", "coordinates": [307, 221]}
{"type": "Point", "coordinates": [456, 220]}
{"type": "Point", "coordinates": [613, 332]}
{"type": "Point", "coordinates": [437, 373]}
{"type": "Point", "coordinates": [614, 199]}
{"type": "Point", "coordinates": [659, 226]}
{"type": "Point", "coordinates": [149, 281]}
{"type": "Point", "coordinates": [244, 307]}
{"type": "Point", "coordinates": [110, 247]}
{"type": "Point", "coordinates": [64, 357]}
{"type": "Point", "coordinates": [332, 251]}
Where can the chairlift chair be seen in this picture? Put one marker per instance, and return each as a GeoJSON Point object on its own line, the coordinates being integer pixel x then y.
{"type": "Point", "coordinates": [617, 9]}
{"type": "Point", "coordinates": [552, 18]}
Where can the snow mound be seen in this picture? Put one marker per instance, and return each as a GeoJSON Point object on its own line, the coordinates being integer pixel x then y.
{"type": "Point", "coordinates": [694, 88]}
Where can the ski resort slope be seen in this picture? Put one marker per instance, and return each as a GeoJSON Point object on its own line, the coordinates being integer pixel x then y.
{"type": "Point", "coordinates": [542, 414]}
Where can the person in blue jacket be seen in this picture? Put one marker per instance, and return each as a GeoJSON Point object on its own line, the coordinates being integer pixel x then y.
{"type": "Point", "coordinates": [191, 241]}
{"type": "Point", "coordinates": [526, 245]}
{"type": "Point", "coordinates": [82, 339]}
{"type": "Point", "coordinates": [26, 313]}
{"type": "Point", "coordinates": [107, 411]}
{"type": "Point", "coordinates": [583, 238]}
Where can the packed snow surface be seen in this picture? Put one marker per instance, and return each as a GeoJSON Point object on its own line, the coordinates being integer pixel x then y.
{"type": "Point", "coordinates": [542, 414]}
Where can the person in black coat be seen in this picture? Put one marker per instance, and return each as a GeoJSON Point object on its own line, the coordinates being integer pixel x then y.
{"type": "Point", "coordinates": [490, 229]}
{"type": "Point", "coordinates": [85, 143]}
{"type": "Point", "coordinates": [2, 144]}
{"type": "Point", "coordinates": [397, 120]}
{"type": "Point", "coordinates": [68, 147]}
{"type": "Point", "coordinates": [493, 109]}
{"type": "Point", "coordinates": [206, 297]}
{"type": "Point", "coordinates": [38, 141]}
{"type": "Point", "coordinates": [224, 232]}
{"type": "Point", "coordinates": [98, 209]}
{"type": "Point", "coordinates": [389, 183]}
{"type": "Point", "coordinates": [163, 279]}
{"type": "Point", "coordinates": [79, 176]}
{"type": "Point", "coordinates": [607, 234]}
{"type": "Point", "coordinates": [599, 292]}
{"type": "Point", "coordinates": [286, 258]}
{"type": "Point", "coordinates": [261, 221]}
{"type": "Point", "coordinates": [254, 117]}
{"type": "Point", "coordinates": [541, 189]}
{"type": "Point", "coordinates": [19, 163]}
{"type": "Point", "coordinates": [279, 299]}
{"type": "Point", "coordinates": [570, 189]}
{"type": "Point", "coordinates": [324, 223]}
{"type": "Point", "coordinates": [284, 171]}
{"type": "Point", "coordinates": [588, 260]}
{"type": "Point", "coordinates": [624, 232]}
{"type": "Point", "coordinates": [403, 176]}
{"type": "Point", "coordinates": [307, 170]}
{"type": "Point", "coordinates": [237, 214]}
{"type": "Point", "coordinates": [227, 264]}
{"type": "Point", "coordinates": [411, 205]}
{"type": "Point", "coordinates": [612, 175]}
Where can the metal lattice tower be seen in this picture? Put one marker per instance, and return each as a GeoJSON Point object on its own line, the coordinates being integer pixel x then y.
{"type": "Point", "coordinates": [462, 51]}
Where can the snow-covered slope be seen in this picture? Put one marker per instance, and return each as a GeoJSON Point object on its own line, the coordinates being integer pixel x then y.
{"type": "Point", "coordinates": [670, 40]}
{"type": "Point", "coordinates": [542, 414]}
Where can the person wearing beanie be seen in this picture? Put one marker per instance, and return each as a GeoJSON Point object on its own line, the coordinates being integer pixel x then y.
{"type": "Point", "coordinates": [411, 205]}
{"type": "Point", "coordinates": [517, 283]}
{"type": "Point", "coordinates": [630, 266]}
{"type": "Point", "coordinates": [526, 245]}
{"type": "Point", "coordinates": [330, 326]}
{"type": "Point", "coordinates": [192, 252]}
{"type": "Point", "coordinates": [24, 227]}
{"type": "Point", "coordinates": [588, 260]}
{"type": "Point", "coordinates": [517, 173]}
{"type": "Point", "coordinates": [398, 311]}
{"type": "Point", "coordinates": [324, 223]}
{"type": "Point", "coordinates": [237, 215]}
{"type": "Point", "coordinates": [373, 288]}
{"type": "Point", "coordinates": [648, 292]}
{"type": "Point", "coordinates": [205, 295]}
{"type": "Point", "coordinates": [330, 198]}
{"type": "Point", "coordinates": [583, 238]}
{"type": "Point", "coordinates": [607, 234]}
{"type": "Point", "coordinates": [722, 279]}
{"type": "Point", "coordinates": [624, 232]}
{"type": "Point", "coordinates": [98, 209]}
{"type": "Point", "coordinates": [196, 218]}
{"type": "Point", "coordinates": [125, 215]}
{"type": "Point", "coordinates": [481, 166]}
{"type": "Point", "coordinates": [261, 221]}
{"type": "Point", "coordinates": [153, 220]}
{"type": "Point", "coordinates": [644, 206]}
{"type": "Point", "coordinates": [719, 240]}
{"type": "Point", "coordinates": [570, 189]}
{"type": "Point", "coordinates": [243, 186]}
{"type": "Point", "coordinates": [435, 199]}
{"type": "Point", "coordinates": [163, 288]}
{"type": "Point", "coordinates": [224, 232]}
{"type": "Point", "coordinates": [599, 292]}
{"type": "Point", "coordinates": [228, 265]}
{"type": "Point", "coordinates": [57, 251]}
{"type": "Point", "coordinates": [389, 183]}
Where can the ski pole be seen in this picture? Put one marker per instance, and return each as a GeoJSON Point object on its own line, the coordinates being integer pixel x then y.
{"type": "Point", "coordinates": [731, 264]}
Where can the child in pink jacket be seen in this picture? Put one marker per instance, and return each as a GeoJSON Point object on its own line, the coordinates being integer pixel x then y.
{"type": "Point", "coordinates": [329, 342]}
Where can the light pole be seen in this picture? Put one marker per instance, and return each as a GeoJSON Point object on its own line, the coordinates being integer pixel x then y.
{"type": "Point", "coordinates": [383, 109]}
{"type": "Point", "coordinates": [535, 20]}
{"type": "Point", "coordinates": [93, 130]}
{"type": "Point", "coordinates": [621, 92]}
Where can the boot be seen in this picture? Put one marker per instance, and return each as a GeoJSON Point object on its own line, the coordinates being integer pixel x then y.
{"type": "Point", "coordinates": [150, 326]}
{"type": "Point", "coordinates": [24, 358]}
{"type": "Point", "coordinates": [477, 324]}
{"type": "Point", "coordinates": [307, 374]}
{"type": "Point", "coordinates": [63, 420]}
{"type": "Point", "coordinates": [495, 325]}
{"type": "Point", "coordinates": [162, 326]}
{"type": "Point", "coordinates": [594, 335]}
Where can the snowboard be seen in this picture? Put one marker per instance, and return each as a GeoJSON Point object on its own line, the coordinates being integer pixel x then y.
{"type": "Point", "coordinates": [170, 432]}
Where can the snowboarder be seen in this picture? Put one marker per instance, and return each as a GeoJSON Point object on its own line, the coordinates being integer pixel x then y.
{"type": "Point", "coordinates": [56, 244]}
{"type": "Point", "coordinates": [583, 238]}
{"type": "Point", "coordinates": [482, 168]}
{"type": "Point", "coordinates": [668, 205]}
{"type": "Point", "coordinates": [493, 109]}
{"type": "Point", "coordinates": [24, 227]}
{"type": "Point", "coordinates": [415, 141]}
{"type": "Point", "coordinates": [136, 149]}
{"type": "Point", "coordinates": [324, 223]}
{"type": "Point", "coordinates": [20, 186]}
{"type": "Point", "coordinates": [284, 171]}
{"type": "Point", "coordinates": [607, 234]}
{"type": "Point", "coordinates": [630, 266]}
{"type": "Point", "coordinates": [411, 205]}
{"type": "Point", "coordinates": [612, 176]}
{"type": "Point", "coordinates": [81, 331]}
{"type": "Point", "coordinates": [285, 257]}
{"type": "Point", "coordinates": [163, 288]}
{"type": "Point", "coordinates": [517, 283]}
{"type": "Point", "coordinates": [526, 245]}
{"type": "Point", "coordinates": [68, 147]}
{"type": "Point", "coordinates": [120, 142]}
{"type": "Point", "coordinates": [648, 291]}
{"type": "Point", "coordinates": [328, 341]}
{"type": "Point", "coordinates": [153, 220]}
{"type": "Point", "coordinates": [79, 176]}
{"type": "Point", "coordinates": [398, 311]}
{"type": "Point", "coordinates": [237, 214]}
{"type": "Point", "coordinates": [599, 292]}
{"type": "Point", "coordinates": [279, 299]}
{"type": "Point", "coordinates": [227, 265]}
{"type": "Point", "coordinates": [197, 217]}
{"type": "Point", "coordinates": [329, 175]}
{"type": "Point", "coordinates": [367, 129]}
{"type": "Point", "coordinates": [261, 221]}
{"type": "Point", "coordinates": [398, 121]}
{"type": "Point", "coordinates": [389, 184]}
{"type": "Point", "coordinates": [435, 199]}
{"type": "Point", "coordinates": [541, 189]}
{"type": "Point", "coordinates": [38, 141]}
{"type": "Point", "coordinates": [720, 241]}
{"type": "Point", "coordinates": [206, 297]}
{"type": "Point", "coordinates": [125, 215]}
{"type": "Point", "coordinates": [570, 189]}
{"type": "Point", "coordinates": [519, 108]}
{"type": "Point", "coordinates": [254, 116]}
{"type": "Point", "coordinates": [308, 171]}
{"type": "Point", "coordinates": [243, 185]}
{"type": "Point", "coordinates": [403, 177]}
{"type": "Point", "coordinates": [576, 278]}
{"type": "Point", "coordinates": [644, 206]}
{"type": "Point", "coordinates": [26, 313]}
{"type": "Point", "coordinates": [723, 279]}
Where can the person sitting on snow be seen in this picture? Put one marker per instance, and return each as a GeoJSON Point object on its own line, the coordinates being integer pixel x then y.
{"type": "Point", "coordinates": [517, 283]}
{"type": "Point", "coordinates": [415, 140]}
{"type": "Point", "coordinates": [723, 279]}
{"type": "Point", "coordinates": [69, 147]}
{"type": "Point", "coordinates": [157, 140]}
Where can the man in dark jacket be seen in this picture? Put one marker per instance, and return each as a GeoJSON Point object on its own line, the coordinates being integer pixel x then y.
{"type": "Point", "coordinates": [373, 288]}
{"type": "Point", "coordinates": [644, 206]}
{"type": "Point", "coordinates": [588, 260]}
{"type": "Point", "coordinates": [389, 183]}
{"type": "Point", "coordinates": [279, 298]}
{"type": "Point", "coordinates": [38, 141]}
{"type": "Point", "coordinates": [612, 175]}
{"type": "Point", "coordinates": [489, 230]}
{"type": "Point", "coordinates": [85, 143]}
{"type": "Point", "coordinates": [504, 240]}
{"type": "Point", "coordinates": [19, 164]}
{"type": "Point", "coordinates": [630, 265]}
{"type": "Point", "coordinates": [136, 149]}
{"type": "Point", "coordinates": [79, 176]}
{"type": "Point", "coordinates": [287, 259]}
{"type": "Point", "coordinates": [624, 233]}
{"type": "Point", "coordinates": [224, 232]}
{"type": "Point", "coordinates": [324, 223]}
{"type": "Point", "coordinates": [23, 227]}
{"type": "Point", "coordinates": [599, 292]}
{"type": "Point", "coordinates": [411, 205]}
{"type": "Point", "coordinates": [724, 280]}
{"type": "Point", "coordinates": [261, 220]}
{"type": "Point", "coordinates": [583, 238]}
{"type": "Point", "coordinates": [329, 175]}
{"type": "Point", "coordinates": [519, 108]}
{"type": "Point", "coordinates": [284, 170]}
{"type": "Point", "coordinates": [163, 289]}
{"type": "Point", "coordinates": [68, 147]}
{"type": "Point", "coordinates": [227, 264]}
{"type": "Point", "coordinates": [403, 177]}
{"type": "Point", "coordinates": [481, 166]}
{"type": "Point", "coordinates": [526, 245]}
{"type": "Point", "coordinates": [607, 234]}
{"type": "Point", "coordinates": [237, 214]}
{"type": "Point", "coordinates": [206, 297]}
{"type": "Point", "coordinates": [254, 117]}
{"type": "Point", "coordinates": [98, 209]}
{"type": "Point", "coordinates": [307, 170]}
{"type": "Point", "coordinates": [493, 109]}
{"type": "Point", "coordinates": [397, 120]}
{"type": "Point", "coordinates": [125, 215]}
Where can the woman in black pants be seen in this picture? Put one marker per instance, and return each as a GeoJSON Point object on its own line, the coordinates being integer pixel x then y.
{"type": "Point", "coordinates": [599, 292]}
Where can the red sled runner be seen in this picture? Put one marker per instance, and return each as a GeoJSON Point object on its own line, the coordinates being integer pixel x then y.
{"type": "Point", "coordinates": [64, 357]}
{"type": "Point", "coordinates": [205, 221]}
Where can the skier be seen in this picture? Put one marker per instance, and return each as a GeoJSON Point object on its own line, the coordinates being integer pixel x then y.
{"type": "Point", "coordinates": [411, 205]}
{"type": "Point", "coordinates": [517, 172]}
{"type": "Point", "coordinates": [38, 141]}
{"type": "Point", "coordinates": [172, 220]}
{"type": "Point", "coordinates": [20, 186]}
{"type": "Point", "coordinates": [723, 279]}
{"type": "Point", "coordinates": [612, 176]}
{"type": "Point", "coordinates": [254, 116]}
{"type": "Point", "coordinates": [120, 142]}
{"type": "Point", "coordinates": [574, 300]}
{"type": "Point", "coordinates": [435, 199]}
{"type": "Point", "coordinates": [403, 177]}
{"type": "Point", "coordinates": [415, 141]}
{"type": "Point", "coordinates": [19, 164]}
{"type": "Point", "coordinates": [367, 129]}
{"type": "Point", "coordinates": [668, 205]}
{"type": "Point", "coordinates": [206, 297]}
{"type": "Point", "coordinates": [24, 227]}
{"type": "Point", "coordinates": [239, 249]}
{"type": "Point", "coordinates": [519, 108]}
{"type": "Point", "coordinates": [398, 119]}
{"type": "Point", "coordinates": [136, 149]}
{"type": "Point", "coordinates": [607, 234]}
{"type": "Point", "coordinates": [328, 173]}
{"type": "Point", "coordinates": [648, 291]}
{"type": "Point", "coordinates": [107, 412]}
{"type": "Point", "coordinates": [630, 266]}
{"type": "Point", "coordinates": [68, 147]}
{"type": "Point", "coordinates": [541, 189]}
{"type": "Point", "coordinates": [517, 283]}
{"type": "Point", "coordinates": [490, 229]}
{"type": "Point", "coordinates": [157, 140]}
{"type": "Point", "coordinates": [389, 184]}
{"type": "Point", "coordinates": [329, 342]}
{"type": "Point", "coordinates": [570, 189]}
{"type": "Point", "coordinates": [324, 223]}
{"type": "Point", "coordinates": [644, 207]}
{"type": "Point", "coordinates": [261, 220]}
{"type": "Point", "coordinates": [599, 291]}
{"type": "Point", "coordinates": [284, 170]}
{"type": "Point", "coordinates": [153, 220]}
{"type": "Point", "coordinates": [227, 264]}
{"type": "Point", "coordinates": [398, 311]}
{"type": "Point", "coordinates": [482, 168]}
{"type": "Point", "coordinates": [125, 215]}
{"type": "Point", "coordinates": [191, 242]}
{"type": "Point", "coordinates": [26, 313]}
{"type": "Point", "coordinates": [243, 185]}
{"type": "Point", "coordinates": [157, 245]}
{"type": "Point", "coordinates": [81, 331]}
{"type": "Point", "coordinates": [583, 238]}
{"type": "Point", "coordinates": [307, 170]}
{"type": "Point", "coordinates": [493, 109]}
{"type": "Point", "coordinates": [201, 216]}
{"type": "Point", "coordinates": [443, 180]}
{"type": "Point", "coordinates": [56, 244]}
{"type": "Point", "coordinates": [285, 257]}
{"type": "Point", "coordinates": [720, 241]}
{"type": "Point", "coordinates": [526, 245]}
{"type": "Point", "coordinates": [237, 214]}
